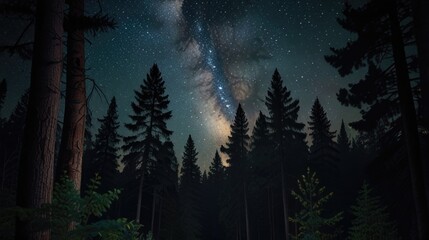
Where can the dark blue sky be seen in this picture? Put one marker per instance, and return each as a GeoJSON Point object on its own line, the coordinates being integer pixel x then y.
{"type": "Point", "coordinates": [211, 58]}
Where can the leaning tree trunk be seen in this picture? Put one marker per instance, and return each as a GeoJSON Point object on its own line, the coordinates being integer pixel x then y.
{"type": "Point", "coordinates": [71, 150]}
{"type": "Point", "coordinates": [409, 122]}
{"type": "Point", "coordinates": [284, 196]}
{"type": "Point", "coordinates": [36, 167]}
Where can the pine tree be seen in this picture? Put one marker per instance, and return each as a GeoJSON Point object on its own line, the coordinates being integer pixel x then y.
{"type": "Point", "coordinates": [216, 173]}
{"type": "Point", "coordinates": [166, 209]}
{"type": "Point", "coordinates": [190, 180]}
{"type": "Point", "coordinates": [148, 122]}
{"type": "Point", "coordinates": [237, 149]}
{"type": "Point", "coordinates": [287, 135]}
{"type": "Point", "coordinates": [343, 140]}
{"type": "Point", "coordinates": [386, 94]}
{"type": "Point", "coordinates": [88, 152]}
{"type": "Point", "coordinates": [106, 147]}
{"type": "Point", "coordinates": [10, 145]}
{"type": "Point", "coordinates": [370, 218]}
{"type": "Point", "coordinates": [204, 178]}
{"type": "Point", "coordinates": [261, 145]}
{"type": "Point", "coordinates": [213, 197]}
{"type": "Point", "coordinates": [323, 152]}
{"type": "Point", "coordinates": [320, 125]}
{"type": "Point", "coordinates": [238, 143]}
{"type": "Point", "coordinates": [312, 197]}
{"type": "Point", "coordinates": [262, 180]}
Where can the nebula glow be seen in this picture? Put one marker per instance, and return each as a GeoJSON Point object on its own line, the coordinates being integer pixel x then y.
{"type": "Point", "coordinates": [222, 56]}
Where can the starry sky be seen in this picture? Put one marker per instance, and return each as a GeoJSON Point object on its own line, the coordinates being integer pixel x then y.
{"type": "Point", "coordinates": [213, 55]}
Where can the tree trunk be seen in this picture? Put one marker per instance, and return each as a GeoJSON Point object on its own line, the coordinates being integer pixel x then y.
{"type": "Point", "coordinates": [246, 211]}
{"type": "Point", "coordinates": [270, 222]}
{"type": "Point", "coordinates": [159, 219]}
{"type": "Point", "coordinates": [284, 196]}
{"type": "Point", "coordinates": [409, 122]}
{"type": "Point", "coordinates": [152, 224]}
{"type": "Point", "coordinates": [36, 167]}
{"type": "Point", "coordinates": [139, 199]}
{"type": "Point", "coordinates": [73, 135]}
{"type": "Point", "coordinates": [421, 24]}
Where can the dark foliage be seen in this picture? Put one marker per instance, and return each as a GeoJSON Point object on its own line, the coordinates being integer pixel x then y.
{"type": "Point", "coordinates": [189, 193]}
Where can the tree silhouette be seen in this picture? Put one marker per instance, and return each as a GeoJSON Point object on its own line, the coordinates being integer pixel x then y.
{"type": "Point", "coordinates": [213, 199]}
{"type": "Point", "coordinates": [260, 145]}
{"type": "Point", "coordinates": [286, 133]}
{"type": "Point", "coordinates": [148, 122]}
{"type": "Point", "coordinates": [165, 212]}
{"type": "Point", "coordinates": [343, 140]}
{"type": "Point", "coordinates": [237, 149]}
{"type": "Point", "coordinates": [11, 134]}
{"type": "Point", "coordinates": [385, 95]}
{"type": "Point", "coordinates": [189, 192]}
{"type": "Point", "coordinates": [216, 173]}
{"type": "Point", "coordinates": [323, 152]}
{"type": "Point", "coordinates": [262, 179]}
{"type": "Point", "coordinates": [106, 147]}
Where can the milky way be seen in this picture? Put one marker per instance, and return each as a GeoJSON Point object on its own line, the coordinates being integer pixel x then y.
{"type": "Point", "coordinates": [212, 54]}
{"type": "Point", "coordinates": [210, 62]}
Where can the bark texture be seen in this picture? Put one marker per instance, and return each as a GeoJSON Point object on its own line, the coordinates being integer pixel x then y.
{"type": "Point", "coordinates": [73, 135]}
{"type": "Point", "coordinates": [36, 168]}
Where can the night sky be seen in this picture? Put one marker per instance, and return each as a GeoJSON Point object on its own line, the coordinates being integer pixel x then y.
{"type": "Point", "coordinates": [213, 55]}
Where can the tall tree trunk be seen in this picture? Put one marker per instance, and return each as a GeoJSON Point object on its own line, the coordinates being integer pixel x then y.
{"type": "Point", "coordinates": [73, 135]}
{"type": "Point", "coordinates": [139, 199]}
{"type": "Point", "coordinates": [152, 224]}
{"type": "Point", "coordinates": [269, 215]}
{"type": "Point", "coordinates": [246, 211]}
{"type": "Point", "coordinates": [273, 222]}
{"type": "Point", "coordinates": [284, 197]}
{"type": "Point", "coordinates": [409, 122]}
{"type": "Point", "coordinates": [421, 24]}
{"type": "Point", "coordinates": [36, 167]}
{"type": "Point", "coordinates": [159, 219]}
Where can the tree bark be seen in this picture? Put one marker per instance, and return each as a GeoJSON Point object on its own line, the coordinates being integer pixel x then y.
{"type": "Point", "coordinates": [409, 123]}
{"type": "Point", "coordinates": [36, 167]}
{"type": "Point", "coordinates": [284, 196]}
{"type": "Point", "coordinates": [73, 135]}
